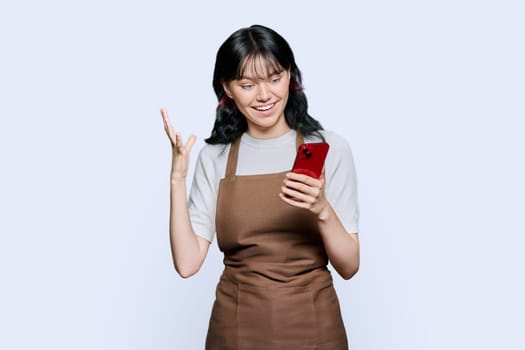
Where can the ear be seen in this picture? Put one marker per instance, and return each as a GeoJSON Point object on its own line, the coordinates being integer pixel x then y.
{"type": "Point", "coordinates": [227, 90]}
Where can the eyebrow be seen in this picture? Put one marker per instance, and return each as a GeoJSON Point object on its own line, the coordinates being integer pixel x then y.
{"type": "Point", "coordinates": [275, 72]}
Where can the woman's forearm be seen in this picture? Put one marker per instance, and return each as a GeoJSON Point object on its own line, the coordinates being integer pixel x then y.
{"type": "Point", "coordinates": [342, 247]}
{"type": "Point", "coordinates": [188, 250]}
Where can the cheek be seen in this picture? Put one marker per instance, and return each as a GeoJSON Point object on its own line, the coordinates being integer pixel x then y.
{"type": "Point", "coordinates": [285, 89]}
{"type": "Point", "coordinates": [241, 98]}
{"type": "Point", "coordinates": [285, 92]}
{"type": "Point", "coordinates": [243, 105]}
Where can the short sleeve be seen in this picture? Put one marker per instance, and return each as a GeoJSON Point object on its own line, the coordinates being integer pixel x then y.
{"type": "Point", "coordinates": [341, 182]}
{"type": "Point", "coordinates": [203, 194]}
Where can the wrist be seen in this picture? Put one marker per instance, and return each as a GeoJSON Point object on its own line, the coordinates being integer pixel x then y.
{"type": "Point", "coordinates": [325, 214]}
{"type": "Point", "coordinates": [178, 180]}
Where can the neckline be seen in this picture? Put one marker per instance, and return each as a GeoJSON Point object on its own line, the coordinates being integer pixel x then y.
{"type": "Point", "coordinates": [231, 165]}
{"type": "Point", "coordinates": [274, 142]}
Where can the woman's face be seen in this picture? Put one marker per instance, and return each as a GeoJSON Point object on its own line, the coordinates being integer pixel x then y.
{"type": "Point", "coordinates": [261, 95]}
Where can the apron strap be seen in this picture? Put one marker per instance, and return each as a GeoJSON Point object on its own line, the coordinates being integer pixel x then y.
{"type": "Point", "coordinates": [231, 165]}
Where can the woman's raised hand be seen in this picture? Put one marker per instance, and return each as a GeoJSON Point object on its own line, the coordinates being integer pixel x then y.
{"type": "Point", "coordinates": [181, 151]}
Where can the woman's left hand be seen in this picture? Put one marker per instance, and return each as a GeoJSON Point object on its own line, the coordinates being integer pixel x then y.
{"type": "Point", "coordinates": [303, 191]}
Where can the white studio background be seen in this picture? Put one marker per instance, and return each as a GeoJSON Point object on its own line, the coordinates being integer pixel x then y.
{"type": "Point", "coordinates": [430, 95]}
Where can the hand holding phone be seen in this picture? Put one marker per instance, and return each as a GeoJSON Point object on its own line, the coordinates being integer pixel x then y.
{"type": "Point", "coordinates": [310, 159]}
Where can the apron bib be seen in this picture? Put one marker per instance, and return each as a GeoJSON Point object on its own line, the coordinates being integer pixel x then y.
{"type": "Point", "coordinates": [275, 292]}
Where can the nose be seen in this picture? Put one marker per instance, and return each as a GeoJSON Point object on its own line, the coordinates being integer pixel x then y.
{"type": "Point", "coordinates": [263, 92]}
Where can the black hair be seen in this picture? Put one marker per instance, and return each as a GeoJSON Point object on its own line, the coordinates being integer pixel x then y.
{"type": "Point", "coordinates": [245, 46]}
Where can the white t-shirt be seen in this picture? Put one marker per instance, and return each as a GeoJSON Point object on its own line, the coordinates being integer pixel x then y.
{"type": "Point", "coordinates": [264, 156]}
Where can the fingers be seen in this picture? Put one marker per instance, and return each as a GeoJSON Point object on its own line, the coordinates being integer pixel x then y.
{"type": "Point", "coordinates": [175, 137]}
{"type": "Point", "coordinates": [165, 119]}
{"type": "Point", "coordinates": [190, 143]}
{"type": "Point", "coordinates": [164, 114]}
{"type": "Point", "coordinates": [167, 125]}
{"type": "Point", "coordinates": [180, 146]}
{"type": "Point", "coordinates": [303, 189]}
{"type": "Point", "coordinates": [295, 203]}
{"type": "Point", "coordinates": [298, 197]}
{"type": "Point", "coordinates": [303, 182]}
{"type": "Point", "coordinates": [305, 179]}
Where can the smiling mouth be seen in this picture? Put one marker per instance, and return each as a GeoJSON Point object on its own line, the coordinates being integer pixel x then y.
{"type": "Point", "coordinates": [264, 108]}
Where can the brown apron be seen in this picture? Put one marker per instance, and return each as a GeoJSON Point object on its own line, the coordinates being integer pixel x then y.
{"type": "Point", "coordinates": [275, 292]}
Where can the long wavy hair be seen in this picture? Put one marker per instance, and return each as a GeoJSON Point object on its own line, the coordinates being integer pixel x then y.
{"type": "Point", "coordinates": [245, 47]}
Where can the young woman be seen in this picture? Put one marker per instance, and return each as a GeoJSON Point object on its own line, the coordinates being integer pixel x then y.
{"type": "Point", "coordinates": [277, 229]}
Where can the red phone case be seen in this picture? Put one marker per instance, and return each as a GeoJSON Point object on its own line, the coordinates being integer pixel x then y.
{"type": "Point", "coordinates": [310, 159]}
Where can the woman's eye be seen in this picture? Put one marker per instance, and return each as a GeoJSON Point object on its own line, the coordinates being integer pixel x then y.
{"type": "Point", "coordinates": [247, 86]}
{"type": "Point", "coordinates": [276, 80]}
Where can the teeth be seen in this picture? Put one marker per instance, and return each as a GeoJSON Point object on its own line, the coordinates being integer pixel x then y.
{"type": "Point", "coordinates": [264, 108]}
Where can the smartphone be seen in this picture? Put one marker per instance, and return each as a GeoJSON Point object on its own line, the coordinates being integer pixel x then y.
{"type": "Point", "coordinates": [310, 159]}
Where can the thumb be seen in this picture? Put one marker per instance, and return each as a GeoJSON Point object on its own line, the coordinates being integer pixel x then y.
{"type": "Point", "coordinates": [190, 143]}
